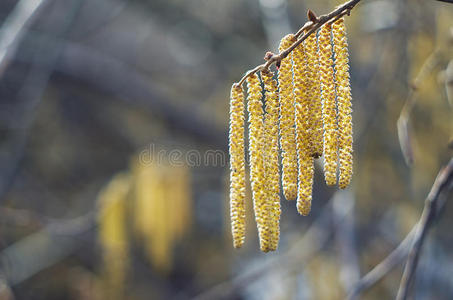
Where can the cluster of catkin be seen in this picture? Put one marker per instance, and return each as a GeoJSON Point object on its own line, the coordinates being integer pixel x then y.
{"type": "Point", "coordinates": [306, 115]}
{"type": "Point", "coordinates": [152, 201]}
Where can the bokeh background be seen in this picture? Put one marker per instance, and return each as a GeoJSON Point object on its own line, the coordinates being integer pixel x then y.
{"type": "Point", "coordinates": [113, 151]}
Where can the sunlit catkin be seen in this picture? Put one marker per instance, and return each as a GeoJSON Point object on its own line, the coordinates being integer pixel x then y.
{"type": "Point", "coordinates": [343, 89]}
{"type": "Point", "coordinates": [237, 166]}
{"type": "Point", "coordinates": [287, 132]}
{"type": "Point", "coordinates": [302, 121]}
{"type": "Point", "coordinates": [257, 169]}
{"type": "Point", "coordinates": [314, 96]}
{"type": "Point", "coordinates": [328, 105]}
{"type": "Point", "coordinates": [271, 155]}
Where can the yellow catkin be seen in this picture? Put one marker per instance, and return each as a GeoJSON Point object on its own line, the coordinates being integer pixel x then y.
{"type": "Point", "coordinates": [302, 121]}
{"type": "Point", "coordinates": [113, 233]}
{"type": "Point", "coordinates": [343, 89]}
{"type": "Point", "coordinates": [328, 105]}
{"type": "Point", "coordinates": [314, 96]}
{"type": "Point", "coordinates": [160, 240]}
{"type": "Point", "coordinates": [257, 169]}
{"type": "Point", "coordinates": [287, 133]}
{"type": "Point", "coordinates": [237, 166]}
{"type": "Point", "coordinates": [271, 154]}
{"type": "Point", "coordinates": [151, 214]}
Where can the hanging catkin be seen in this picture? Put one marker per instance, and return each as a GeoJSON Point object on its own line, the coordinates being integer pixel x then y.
{"type": "Point", "coordinates": [271, 155]}
{"type": "Point", "coordinates": [328, 105]}
{"type": "Point", "coordinates": [287, 133]}
{"type": "Point", "coordinates": [308, 111]}
{"type": "Point", "coordinates": [314, 96]}
{"type": "Point", "coordinates": [113, 233]}
{"type": "Point", "coordinates": [237, 166]}
{"type": "Point", "coordinates": [302, 121]}
{"type": "Point", "coordinates": [257, 169]}
{"type": "Point", "coordinates": [343, 89]}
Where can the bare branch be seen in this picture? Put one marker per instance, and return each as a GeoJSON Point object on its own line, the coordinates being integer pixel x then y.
{"type": "Point", "coordinates": [414, 239]}
{"type": "Point", "coordinates": [444, 182]}
{"type": "Point", "coordinates": [384, 267]}
{"type": "Point", "coordinates": [14, 28]}
{"type": "Point", "coordinates": [404, 135]}
{"type": "Point", "coordinates": [311, 27]}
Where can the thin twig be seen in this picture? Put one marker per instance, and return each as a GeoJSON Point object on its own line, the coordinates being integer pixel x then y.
{"type": "Point", "coordinates": [396, 257]}
{"type": "Point", "coordinates": [444, 181]}
{"type": "Point", "coordinates": [448, 1]}
{"type": "Point", "coordinates": [403, 121]}
{"type": "Point", "coordinates": [433, 206]}
{"type": "Point", "coordinates": [15, 27]}
{"type": "Point", "coordinates": [312, 27]}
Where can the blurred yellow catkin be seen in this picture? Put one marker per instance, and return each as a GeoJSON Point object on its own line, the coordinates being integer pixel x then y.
{"type": "Point", "coordinates": [287, 121]}
{"type": "Point", "coordinates": [261, 204]}
{"type": "Point", "coordinates": [150, 215]}
{"type": "Point", "coordinates": [271, 155]}
{"type": "Point", "coordinates": [328, 105]}
{"type": "Point", "coordinates": [343, 89]}
{"type": "Point", "coordinates": [162, 203]}
{"type": "Point", "coordinates": [237, 166]}
{"type": "Point", "coordinates": [314, 96]}
{"type": "Point", "coordinates": [113, 235]}
{"type": "Point", "coordinates": [302, 121]}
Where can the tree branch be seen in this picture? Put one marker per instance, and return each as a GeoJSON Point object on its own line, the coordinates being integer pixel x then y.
{"type": "Point", "coordinates": [383, 268]}
{"type": "Point", "coordinates": [412, 243]}
{"type": "Point", "coordinates": [15, 26]}
{"type": "Point", "coordinates": [444, 182]}
{"type": "Point", "coordinates": [312, 26]}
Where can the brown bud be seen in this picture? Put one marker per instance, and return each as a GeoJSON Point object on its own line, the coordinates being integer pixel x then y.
{"type": "Point", "coordinates": [312, 16]}
{"type": "Point", "coordinates": [268, 55]}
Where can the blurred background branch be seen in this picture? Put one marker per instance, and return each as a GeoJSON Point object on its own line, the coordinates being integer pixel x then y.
{"type": "Point", "coordinates": [15, 26]}
{"type": "Point", "coordinates": [434, 205]}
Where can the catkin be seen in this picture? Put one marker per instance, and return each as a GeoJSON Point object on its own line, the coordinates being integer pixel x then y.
{"type": "Point", "coordinates": [328, 105]}
{"type": "Point", "coordinates": [302, 121]}
{"type": "Point", "coordinates": [237, 166]}
{"type": "Point", "coordinates": [308, 111]}
{"type": "Point", "coordinates": [314, 96]}
{"type": "Point", "coordinates": [343, 89]}
{"type": "Point", "coordinates": [113, 233]}
{"type": "Point", "coordinates": [287, 133]}
{"type": "Point", "coordinates": [257, 169]}
{"type": "Point", "coordinates": [271, 155]}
